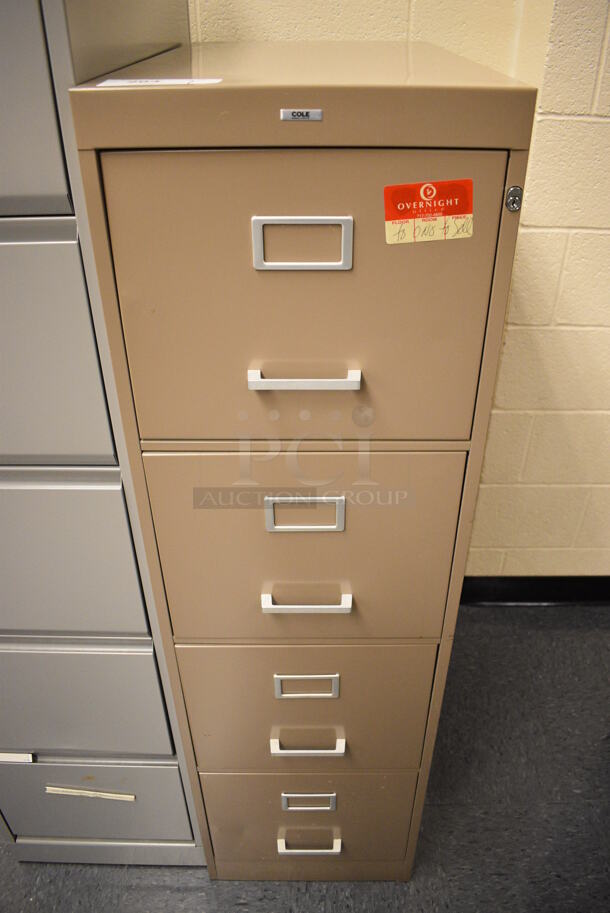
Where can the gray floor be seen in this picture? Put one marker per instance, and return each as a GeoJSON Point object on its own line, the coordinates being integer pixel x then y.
{"type": "Point", "coordinates": [516, 818]}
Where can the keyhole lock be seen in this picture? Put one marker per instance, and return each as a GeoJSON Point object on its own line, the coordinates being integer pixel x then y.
{"type": "Point", "coordinates": [514, 198]}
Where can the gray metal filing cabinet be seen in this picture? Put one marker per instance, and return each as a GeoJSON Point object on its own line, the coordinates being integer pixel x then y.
{"type": "Point", "coordinates": [91, 761]}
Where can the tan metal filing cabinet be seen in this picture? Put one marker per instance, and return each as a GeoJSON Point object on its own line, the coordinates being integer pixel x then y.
{"type": "Point", "coordinates": [304, 253]}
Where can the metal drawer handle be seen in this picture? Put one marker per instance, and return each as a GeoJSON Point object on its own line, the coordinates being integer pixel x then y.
{"type": "Point", "coordinates": [333, 678]}
{"type": "Point", "coordinates": [258, 242]}
{"type": "Point", "coordinates": [16, 757]}
{"type": "Point", "coordinates": [331, 807]}
{"type": "Point", "coordinates": [270, 607]}
{"type": "Point", "coordinates": [331, 851]}
{"type": "Point", "coordinates": [272, 527]}
{"type": "Point", "coordinates": [352, 381]}
{"type": "Point", "coordinates": [278, 752]}
{"type": "Point", "coordinates": [89, 793]}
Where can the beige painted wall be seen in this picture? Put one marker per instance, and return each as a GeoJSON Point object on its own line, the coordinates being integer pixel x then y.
{"type": "Point", "coordinates": [544, 502]}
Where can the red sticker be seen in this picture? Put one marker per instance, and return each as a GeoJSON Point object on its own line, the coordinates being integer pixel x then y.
{"type": "Point", "coordinates": [429, 211]}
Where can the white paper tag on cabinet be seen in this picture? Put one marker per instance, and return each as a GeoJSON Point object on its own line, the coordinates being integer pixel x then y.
{"type": "Point", "coordinates": [429, 211]}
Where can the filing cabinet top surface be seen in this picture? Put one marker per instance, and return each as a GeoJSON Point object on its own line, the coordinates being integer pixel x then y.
{"type": "Point", "coordinates": [370, 93]}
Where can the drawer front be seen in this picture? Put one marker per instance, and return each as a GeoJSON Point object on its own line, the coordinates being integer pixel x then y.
{"type": "Point", "coordinates": [94, 801]}
{"type": "Point", "coordinates": [369, 813]}
{"type": "Point", "coordinates": [33, 179]}
{"type": "Point", "coordinates": [219, 559]}
{"type": "Point", "coordinates": [52, 404]}
{"type": "Point", "coordinates": [198, 315]}
{"type": "Point", "coordinates": [95, 699]}
{"type": "Point", "coordinates": [75, 534]}
{"type": "Point", "coordinates": [376, 720]}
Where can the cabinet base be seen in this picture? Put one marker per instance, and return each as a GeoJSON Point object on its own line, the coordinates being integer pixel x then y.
{"type": "Point", "coordinates": [312, 870]}
{"type": "Point", "coordinates": [109, 852]}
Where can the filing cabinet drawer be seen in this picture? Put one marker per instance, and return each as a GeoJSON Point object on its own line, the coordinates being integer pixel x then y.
{"type": "Point", "coordinates": [349, 707]}
{"type": "Point", "coordinates": [63, 697]}
{"type": "Point", "coordinates": [198, 316]}
{"type": "Point", "coordinates": [66, 557]}
{"type": "Point", "coordinates": [221, 563]}
{"type": "Point", "coordinates": [369, 813]}
{"type": "Point", "coordinates": [32, 179]}
{"type": "Point", "coordinates": [94, 801]}
{"type": "Point", "coordinates": [52, 404]}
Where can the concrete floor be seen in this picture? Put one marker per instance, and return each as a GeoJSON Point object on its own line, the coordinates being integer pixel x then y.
{"type": "Point", "coordinates": [517, 812]}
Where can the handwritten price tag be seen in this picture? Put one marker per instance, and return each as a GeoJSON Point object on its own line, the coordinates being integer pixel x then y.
{"type": "Point", "coordinates": [433, 211]}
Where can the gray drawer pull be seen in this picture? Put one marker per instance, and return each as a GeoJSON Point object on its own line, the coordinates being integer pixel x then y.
{"type": "Point", "coordinates": [16, 757]}
{"type": "Point", "coordinates": [89, 793]}
{"type": "Point", "coordinates": [81, 478]}
{"type": "Point", "coordinates": [272, 527]}
{"type": "Point", "coordinates": [38, 230]}
{"type": "Point", "coordinates": [270, 607]}
{"type": "Point", "coordinates": [333, 678]}
{"type": "Point", "coordinates": [330, 797]}
{"type": "Point", "coordinates": [352, 381]}
{"type": "Point", "coordinates": [258, 242]}
{"type": "Point", "coordinates": [278, 752]}
{"type": "Point", "coordinates": [283, 850]}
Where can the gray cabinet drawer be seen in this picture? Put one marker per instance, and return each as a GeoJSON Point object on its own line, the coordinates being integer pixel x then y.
{"type": "Point", "coordinates": [60, 697]}
{"type": "Point", "coordinates": [33, 179]}
{"type": "Point", "coordinates": [66, 559]}
{"type": "Point", "coordinates": [94, 801]}
{"type": "Point", "coordinates": [52, 403]}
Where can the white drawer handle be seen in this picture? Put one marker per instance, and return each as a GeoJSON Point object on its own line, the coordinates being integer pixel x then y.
{"type": "Point", "coordinates": [270, 607]}
{"type": "Point", "coordinates": [333, 678]}
{"type": "Point", "coordinates": [270, 501]}
{"type": "Point", "coordinates": [283, 850]}
{"type": "Point", "coordinates": [89, 793]}
{"type": "Point", "coordinates": [288, 807]}
{"type": "Point", "coordinates": [352, 381]}
{"type": "Point", "coordinates": [278, 752]}
{"type": "Point", "coordinates": [258, 242]}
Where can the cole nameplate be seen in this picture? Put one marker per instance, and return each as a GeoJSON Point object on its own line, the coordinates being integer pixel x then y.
{"type": "Point", "coordinates": [300, 114]}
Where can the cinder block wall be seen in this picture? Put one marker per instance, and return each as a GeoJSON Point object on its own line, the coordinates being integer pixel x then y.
{"type": "Point", "coordinates": [544, 502]}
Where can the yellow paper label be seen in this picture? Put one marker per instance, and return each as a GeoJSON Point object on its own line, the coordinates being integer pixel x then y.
{"type": "Point", "coordinates": [441, 228]}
